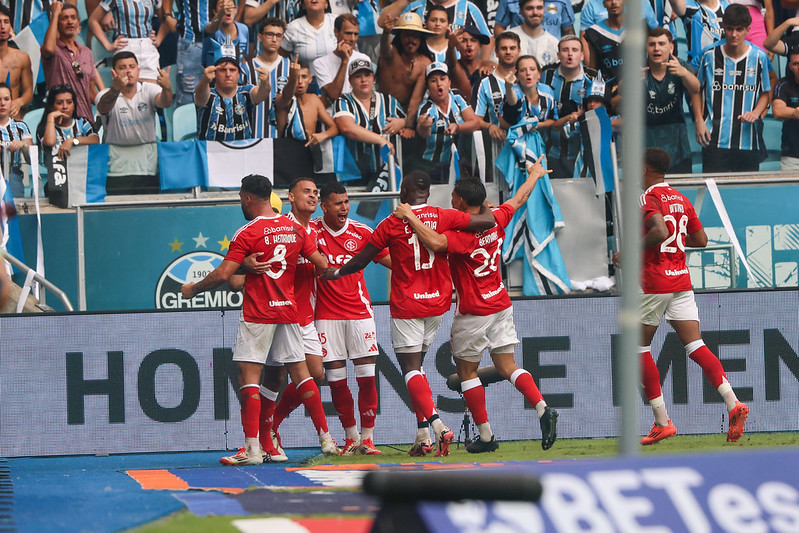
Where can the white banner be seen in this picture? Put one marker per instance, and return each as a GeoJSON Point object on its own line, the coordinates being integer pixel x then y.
{"type": "Point", "coordinates": [147, 382]}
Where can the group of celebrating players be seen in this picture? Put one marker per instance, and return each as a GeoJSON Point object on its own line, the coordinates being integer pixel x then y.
{"type": "Point", "coordinates": [284, 263]}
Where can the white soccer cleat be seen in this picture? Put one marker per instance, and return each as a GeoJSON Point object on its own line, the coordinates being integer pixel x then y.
{"type": "Point", "coordinates": [328, 444]}
{"type": "Point", "coordinates": [242, 458]}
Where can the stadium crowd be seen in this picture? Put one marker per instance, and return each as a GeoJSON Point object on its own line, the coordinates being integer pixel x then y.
{"type": "Point", "coordinates": [425, 74]}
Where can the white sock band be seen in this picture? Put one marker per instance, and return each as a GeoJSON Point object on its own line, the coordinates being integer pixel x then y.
{"type": "Point", "coordinates": [724, 388]}
{"type": "Point", "coordinates": [645, 349]}
{"type": "Point", "coordinates": [268, 394]}
{"type": "Point", "coordinates": [691, 347]}
{"type": "Point", "coordinates": [249, 385]}
{"type": "Point", "coordinates": [657, 402]}
{"type": "Point", "coordinates": [410, 374]}
{"type": "Point", "coordinates": [518, 372]}
{"type": "Point", "coordinates": [336, 374]}
{"type": "Point", "coordinates": [365, 371]}
{"type": "Point", "coordinates": [303, 381]}
{"type": "Point", "coordinates": [470, 384]}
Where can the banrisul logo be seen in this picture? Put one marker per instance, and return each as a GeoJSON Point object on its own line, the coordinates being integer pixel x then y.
{"type": "Point", "coordinates": [191, 268]}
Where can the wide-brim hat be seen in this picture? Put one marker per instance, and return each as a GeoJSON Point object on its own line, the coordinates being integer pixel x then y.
{"type": "Point", "coordinates": [410, 21]}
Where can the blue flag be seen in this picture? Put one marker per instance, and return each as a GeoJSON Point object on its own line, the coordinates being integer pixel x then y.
{"type": "Point", "coordinates": [531, 232]}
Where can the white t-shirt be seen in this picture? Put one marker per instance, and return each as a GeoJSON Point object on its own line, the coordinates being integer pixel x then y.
{"type": "Point", "coordinates": [310, 43]}
{"type": "Point", "coordinates": [131, 121]}
{"type": "Point", "coordinates": [544, 47]}
{"type": "Point", "coordinates": [326, 68]}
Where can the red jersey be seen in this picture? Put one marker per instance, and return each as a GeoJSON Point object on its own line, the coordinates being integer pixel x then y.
{"type": "Point", "coordinates": [269, 297]}
{"type": "Point", "coordinates": [664, 268]}
{"type": "Point", "coordinates": [304, 282]}
{"type": "Point", "coordinates": [347, 297]}
{"type": "Point", "coordinates": [473, 261]}
{"type": "Point", "coordinates": [420, 282]}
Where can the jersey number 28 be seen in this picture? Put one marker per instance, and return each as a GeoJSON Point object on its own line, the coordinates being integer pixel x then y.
{"type": "Point", "coordinates": [677, 232]}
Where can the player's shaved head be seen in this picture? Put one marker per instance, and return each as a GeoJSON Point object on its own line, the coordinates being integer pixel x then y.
{"type": "Point", "coordinates": [471, 190]}
{"type": "Point", "coordinates": [257, 185]}
{"type": "Point", "coordinates": [658, 160]}
{"type": "Point", "coordinates": [415, 187]}
{"type": "Point", "coordinates": [331, 188]}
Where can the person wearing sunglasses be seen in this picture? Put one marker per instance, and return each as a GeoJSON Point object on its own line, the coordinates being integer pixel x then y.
{"type": "Point", "coordinates": [66, 61]}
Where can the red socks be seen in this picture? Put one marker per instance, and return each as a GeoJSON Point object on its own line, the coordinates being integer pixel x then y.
{"type": "Point", "coordinates": [421, 395]}
{"type": "Point", "coordinates": [367, 401]}
{"type": "Point", "coordinates": [710, 364]}
{"type": "Point", "coordinates": [523, 381]}
{"type": "Point", "coordinates": [289, 401]}
{"type": "Point", "coordinates": [267, 411]}
{"type": "Point", "coordinates": [650, 374]}
{"type": "Point", "coordinates": [475, 396]}
{"type": "Point", "coordinates": [342, 401]}
{"type": "Point", "coordinates": [250, 410]}
{"type": "Point", "coordinates": [312, 400]}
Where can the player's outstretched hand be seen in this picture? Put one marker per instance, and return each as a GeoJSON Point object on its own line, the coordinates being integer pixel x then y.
{"type": "Point", "coordinates": [537, 170]}
{"type": "Point", "coordinates": [329, 274]}
{"type": "Point", "coordinates": [187, 290]}
{"type": "Point", "coordinates": [251, 264]}
{"type": "Point", "coordinates": [403, 211]}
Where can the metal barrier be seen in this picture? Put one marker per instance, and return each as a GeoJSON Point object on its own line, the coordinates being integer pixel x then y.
{"type": "Point", "coordinates": [46, 284]}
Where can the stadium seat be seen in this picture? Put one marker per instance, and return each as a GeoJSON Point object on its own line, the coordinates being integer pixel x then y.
{"type": "Point", "coordinates": [102, 57]}
{"type": "Point", "coordinates": [32, 119]}
{"type": "Point", "coordinates": [184, 123]}
{"type": "Point", "coordinates": [105, 75]}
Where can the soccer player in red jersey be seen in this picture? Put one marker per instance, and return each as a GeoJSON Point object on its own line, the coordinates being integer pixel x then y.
{"type": "Point", "coordinates": [484, 316]}
{"type": "Point", "coordinates": [421, 292]}
{"type": "Point", "coordinates": [303, 196]}
{"type": "Point", "coordinates": [671, 224]}
{"type": "Point", "coordinates": [269, 329]}
{"type": "Point", "coordinates": [345, 321]}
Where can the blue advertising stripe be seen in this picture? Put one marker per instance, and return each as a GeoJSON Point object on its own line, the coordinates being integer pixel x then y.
{"type": "Point", "coordinates": [756, 491]}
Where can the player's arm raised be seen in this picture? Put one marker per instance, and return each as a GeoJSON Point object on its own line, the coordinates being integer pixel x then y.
{"type": "Point", "coordinates": [534, 172]}
{"type": "Point", "coordinates": [431, 239]}
{"type": "Point", "coordinates": [221, 274]}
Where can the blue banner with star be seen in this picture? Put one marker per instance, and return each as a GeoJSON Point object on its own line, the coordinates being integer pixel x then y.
{"type": "Point", "coordinates": [136, 259]}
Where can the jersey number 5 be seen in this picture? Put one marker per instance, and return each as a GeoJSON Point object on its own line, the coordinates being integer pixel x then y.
{"type": "Point", "coordinates": [677, 233]}
{"type": "Point", "coordinates": [417, 254]}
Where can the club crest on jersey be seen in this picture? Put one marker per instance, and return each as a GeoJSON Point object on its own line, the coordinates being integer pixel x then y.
{"type": "Point", "coordinates": [239, 109]}
{"type": "Point", "coordinates": [552, 9]}
{"type": "Point", "coordinates": [193, 267]}
{"type": "Point", "coordinates": [671, 88]}
{"type": "Point", "coordinates": [751, 71]}
{"type": "Point", "coordinates": [281, 82]}
{"type": "Point", "coordinates": [351, 245]}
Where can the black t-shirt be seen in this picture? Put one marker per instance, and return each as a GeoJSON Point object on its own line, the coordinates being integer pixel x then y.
{"type": "Point", "coordinates": [664, 99]}
{"type": "Point", "coordinates": [787, 90]}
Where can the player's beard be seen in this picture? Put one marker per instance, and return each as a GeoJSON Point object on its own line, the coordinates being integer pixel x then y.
{"type": "Point", "coordinates": [247, 216]}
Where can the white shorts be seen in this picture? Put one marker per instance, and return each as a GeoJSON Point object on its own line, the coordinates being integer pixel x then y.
{"type": "Point", "coordinates": [310, 340]}
{"type": "Point", "coordinates": [273, 344]}
{"type": "Point", "coordinates": [471, 335]}
{"type": "Point", "coordinates": [347, 339]}
{"type": "Point", "coordinates": [147, 56]}
{"type": "Point", "coordinates": [675, 306]}
{"type": "Point", "coordinates": [410, 335]}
